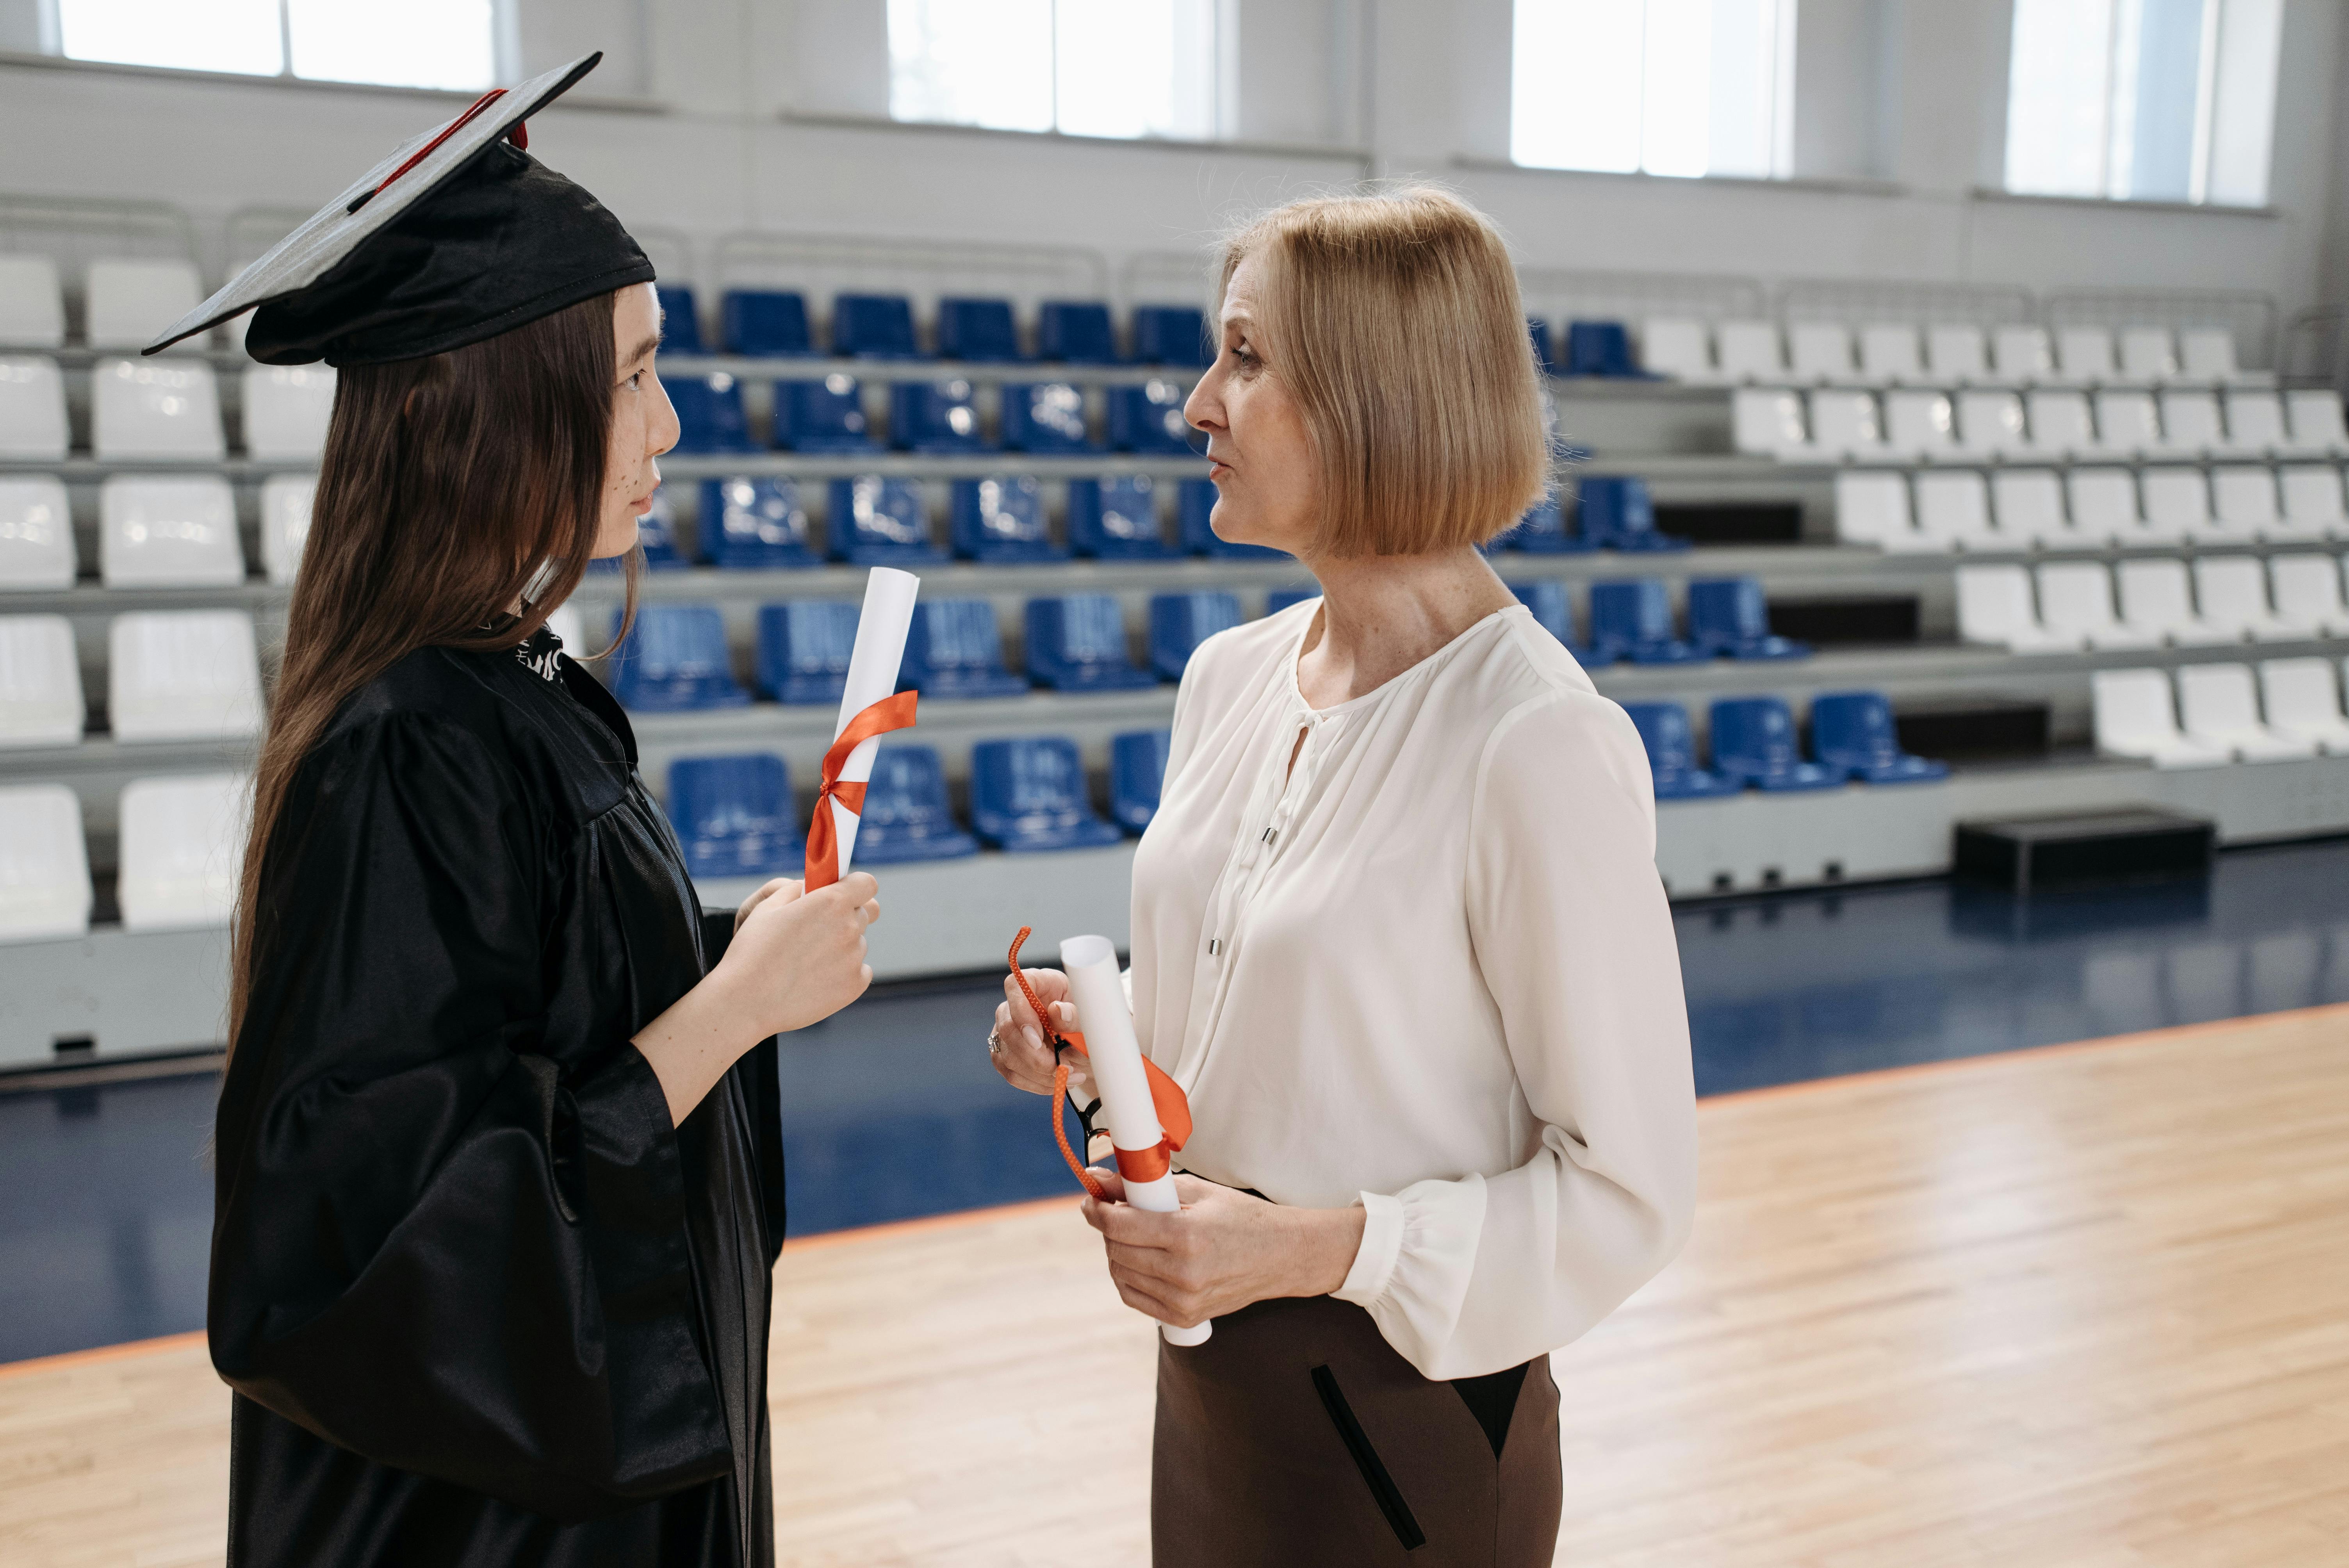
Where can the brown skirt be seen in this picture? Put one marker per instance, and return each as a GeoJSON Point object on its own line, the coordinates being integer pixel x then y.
{"type": "Point", "coordinates": [1298, 1435]}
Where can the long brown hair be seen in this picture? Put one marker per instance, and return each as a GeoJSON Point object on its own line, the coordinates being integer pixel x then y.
{"type": "Point", "coordinates": [452, 486]}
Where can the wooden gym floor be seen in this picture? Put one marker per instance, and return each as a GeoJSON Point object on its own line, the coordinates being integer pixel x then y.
{"type": "Point", "coordinates": [2087, 1305]}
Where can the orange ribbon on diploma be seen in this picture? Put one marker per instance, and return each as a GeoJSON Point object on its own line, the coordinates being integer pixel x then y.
{"type": "Point", "coordinates": [823, 839]}
{"type": "Point", "coordinates": [1173, 1106]}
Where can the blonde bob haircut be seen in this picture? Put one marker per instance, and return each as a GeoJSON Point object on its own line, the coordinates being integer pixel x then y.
{"type": "Point", "coordinates": [1393, 320]}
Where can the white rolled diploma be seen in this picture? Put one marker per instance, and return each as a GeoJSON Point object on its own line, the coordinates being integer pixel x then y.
{"type": "Point", "coordinates": [1090, 964]}
{"type": "Point", "coordinates": [881, 629]}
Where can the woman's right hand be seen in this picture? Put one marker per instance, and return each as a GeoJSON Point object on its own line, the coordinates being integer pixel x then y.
{"type": "Point", "coordinates": [798, 957]}
{"type": "Point", "coordinates": [1023, 1058]}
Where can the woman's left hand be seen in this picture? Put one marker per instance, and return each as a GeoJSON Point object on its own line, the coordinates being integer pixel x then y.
{"type": "Point", "coordinates": [1221, 1252]}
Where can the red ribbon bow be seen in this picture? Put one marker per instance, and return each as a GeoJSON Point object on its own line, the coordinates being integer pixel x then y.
{"type": "Point", "coordinates": [823, 841]}
{"type": "Point", "coordinates": [1167, 1096]}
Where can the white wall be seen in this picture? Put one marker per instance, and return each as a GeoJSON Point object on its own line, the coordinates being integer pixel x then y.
{"type": "Point", "coordinates": [743, 114]}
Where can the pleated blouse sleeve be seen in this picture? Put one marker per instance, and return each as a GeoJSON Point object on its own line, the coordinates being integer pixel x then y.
{"type": "Point", "coordinates": [1573, 937]}
{"type": "Point", "coordinates": [446, 1238]}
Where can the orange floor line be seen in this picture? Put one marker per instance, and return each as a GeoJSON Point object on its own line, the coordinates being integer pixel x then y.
{"type": "Point", "coordinates": [99, 1353]}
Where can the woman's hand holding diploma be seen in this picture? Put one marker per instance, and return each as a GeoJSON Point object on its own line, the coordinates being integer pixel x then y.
{"type": "Point", "coordinates": [1023, 1057]}
{"type": "Point", "coordinates": [1221, 1252]}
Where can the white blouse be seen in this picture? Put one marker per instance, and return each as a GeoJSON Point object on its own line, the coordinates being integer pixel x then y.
{"type": "Point", "coordinates": [1431, 970]}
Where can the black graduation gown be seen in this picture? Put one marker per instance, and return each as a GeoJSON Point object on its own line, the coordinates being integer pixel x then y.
{"type": "Point", "coordinates": [479, 1301]}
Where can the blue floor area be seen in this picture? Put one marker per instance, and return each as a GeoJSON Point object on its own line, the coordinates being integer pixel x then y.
{"type": "Point", "coordinates": [106, 1200]}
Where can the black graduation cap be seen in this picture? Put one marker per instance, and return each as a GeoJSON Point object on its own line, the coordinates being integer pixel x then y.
{"type": "Point", "coordinates": [456, 236]}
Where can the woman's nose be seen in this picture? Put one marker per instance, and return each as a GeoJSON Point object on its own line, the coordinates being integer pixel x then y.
{"type": "Point", "coordinates": [1203, 409]}
{"type": "Point", "coordinates": [662, 431]}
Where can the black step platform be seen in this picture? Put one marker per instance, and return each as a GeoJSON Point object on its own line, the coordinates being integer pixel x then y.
{"type": "Point", "coordinates": [1970, 728]}
{"type": "Point", "coordinates": [2072, 847]}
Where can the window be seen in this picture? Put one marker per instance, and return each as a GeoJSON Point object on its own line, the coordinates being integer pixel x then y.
{"type": "Point", "coordinates": [2160, 100]}
{"type": "Point", "coordinates": [1089, 67]}
{"type": "Point", "coordinates": [1660, 87]}
{"type": "Point", "coordinates": [418, 43]}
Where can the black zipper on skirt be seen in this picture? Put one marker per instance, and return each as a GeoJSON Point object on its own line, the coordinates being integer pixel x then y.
{"type": "Point", "coordinates": [1383, 1489]}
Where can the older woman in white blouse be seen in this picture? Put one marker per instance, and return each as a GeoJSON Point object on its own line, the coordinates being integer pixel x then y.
{"type": "Point", "coordinates": [1398, 932]}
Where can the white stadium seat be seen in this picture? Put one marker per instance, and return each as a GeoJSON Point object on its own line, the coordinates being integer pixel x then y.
{"type": "Point", "coordinates": [2301, 699]}
{"type": "Point", "coordinates": [2306, 591]}
{"type": "Point", "coordinates": [1768, 420]}
{"type": "Point", "coordinates": [2312, 500]}
{"type": "Point", "coordinates": [1749, 350]}
{"type": "Point", "coordinates": [1955, 351]}
{"type": "Point", "coordinates": [2156, 598]}
{"type": "Point", "coordinates": [32, 305]}
{"type": "Point", "coordinates": [40, 682]}
{"type": "Point", "coordinates": [182, 675]}
{"type": "Point", "coordinates": [129, 303]}
{"type": "Point", "coordinates": [2149, 354]}
{"type": "Point", "coordinates": [2244, 499]}
{"type": "Point", "coordinates": [2233, 593]}
{"type": "Point", "coordinates": [1953, 510]}
{"type": "Point", "coordinates": [2136, 717]}
{"type": "Point", "coordinates": [2219, 706]}
{"type": "Point", "coordinates": [2190, 422]}
{"type": "Point", "coordinates": [1994, 607]}
{"type": "Point", "coordinates": [1917, 423]}
{"type": "Point", "coordinates": [285, 409]}
{"type": "Point", "coordinates": [155, 409]}
{"type": "Point", "coordinates": [1844, 423]}
{"type": "Point", "coordinates": [1819, 350]}
{"type": "Point", "coordinates": [1888, 351]}
{"type": "Point", "coordinates": [2085, 353]}
{"type": "Point", "coordinates": [1873, 509]}
{"type": "Point", "coordinates": [44, 889]}
{"type": "Point", "coordinates": [2315, 419]}
{"type": "Point", "coordinates": [2021, 354]}
{"type": "Point", "coordinates": [2207, 352]}
{"type": "Point", "coordinates": [36, 537]}
{"type": "Point", "coordinates": [182, 843]}
{"type": "Point", "coordinates": [2028, 506]}
{"type": "Point", "coordinates": [2126, 422]}
{"type": "Point", "coordinates": [2105, 504]}
{"type": "Point", "coordinates": [2060, 423]}
{"type": "Point", "coordinates": [176, 530]}
{"type": "Point", "coordinates": [32, 409]}
{"type": "Point", "coordinates": [1674, 345]}
{"type": "Point", "coordinates": [2255, 421]}
{"type": "Point", "coordinates": [284, 523]}
{"type": "Point", "coordinates": [1991, 422]}
{"type": "Point", "coordinates": [2075, 602]}
{"type": "Point", "coordinates": [2177, 507]}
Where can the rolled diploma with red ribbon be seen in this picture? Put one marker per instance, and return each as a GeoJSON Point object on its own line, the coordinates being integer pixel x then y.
{"type": "Point", "coordinates": [1104, 1018]}
{"type": "Point", "coordinates": [881, 629]}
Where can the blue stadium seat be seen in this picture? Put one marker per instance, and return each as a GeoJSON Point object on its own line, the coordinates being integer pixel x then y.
{"type": "Point", "coordinates": [1030, 794]}
{"type": "Point", "coordinates": [978, 330]}
{"type": "Point", "coordinates": [1076, 331]}
{"type": "Point", "coordinates": [680, 322]}
{"type": "Point", "coordinates": [656, 536]}
{"type": "Point", "coordinates": [755, 524]}
{"type": "Point", "coordinates": [1852, 736]}
{"type": "Point", "coordinates": [1632, 619]}
{"type": "Point", "coordinates": [803, 648]}
{"type": "Point", "coordinates": [877, 522]}
{"type": "Point", "coordinates": [765, 322]}
{"type": "Point", "coordinates": [937, 417]}
{"type": "Point", "coordinates": [1137, 774]}
{"type": "Point", "coordinates": [1076, 642]}
{"type": "Point", "coordinates": [1664, 730]}
{"type": "Point", "coordinates": [1538, 330]}
{"type": "Point", "coordinates": [1149, 419]}
{"type": "Point", "coordinates": [827, 415]}
{"type": "Point", "coordinates": [874, 326]}
{"type": "Point", "coordinates": [1552, 611]}
{"type": "Point", "coordinates": [735, 816]}
{"type": "Point", "coordinates": [709, 413]}
{"type": "Point", "coordinates": [907, 816]}
{"type": "Point", "coordinates": [1281, 599]}
{"type": "Point", "coordinates": [1601, 349]}
{"type": "Point", "coordinates": [1617, 514]}
{"type": "Point", "coordinates": [1753, 742]}
{"type": "Point", "coordinates": [674, 658]}
{"type": "Point", "coordinates": [954, 651]}
{"type": "Point", "coordinates": [1045, 417]}
{"type": "Point", "coordinates": [1194, 504]}
{"type": "Point", "coordinates": [1541, 531]}
{"type": "Point", "coordinates": [1117, 520]}
{"type": "Point", "coordinates": [1179, 623]}
{"type": "Point", "coordinates": [1002, 521]}
{"type": "Point", "coordinates": [1729, 617]}
{"type": "Point", "coordinates": [1171, 334]}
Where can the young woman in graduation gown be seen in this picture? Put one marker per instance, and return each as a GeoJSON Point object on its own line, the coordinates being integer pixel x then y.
{"type": "Point", "coordinates": [499, 1188]}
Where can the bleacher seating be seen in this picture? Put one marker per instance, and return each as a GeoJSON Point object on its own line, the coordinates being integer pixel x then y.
{"type": "Point", "coordinates": [1615, 512]}
{"type": "Point", "coordinates": [803, 649]}
{"type": "Point", "coordinates": [2307, 594]}
{"type": "Point", "coordinates": [907, 816]}
{"type": "Point", "coordinates": [735, 816]}
{"type": "Point", "coordinates": [1845, 425]}
{"type": "Point", "coordinates": [1545, 599]}
{"type": "Point", "coordinates": [1632, 619]}
{"type": "Point", "coordinates": [2156, 599]}
{"type": "Point", "coordinates": [1045, 417]}
{"type": "Point", "coordinates": [874, 326]}
{"type": "Point", "coordinates": [766, 322]}
{"type": "Point", "coordinates": [2059, 422]}
{"type": "Point", "coordinates": [1171, 334]}
{"type": "Point", "coordinates": [656, 538]}
{"type": "Point", "coordinates": [37, 536]}
{"type": "Point", "coordinates": [40, 682]}
{"type": "Point", "coordinates": [709, 416]}
{"type": "Point", "coordinates": [44, 887]}
{"type": "Point", "coordinates": [1992, 422]}
{"type": "Point", "coordinates": [155, 409]}
{"type": "Point", "coordinates": [1955, 352]}
{"type": "Point", "coordinates": [126, 302]}
{"type": "Point", "coordinates": [1541, 531]}
{"type": "Point", "coordinates": [1179, 623]}
{"type": "Point", "coordinates": [1770, 421]}
{"type": "Point", "coordinates": [680, 319]}
{"type": "Point", "coordinates": [2315, 419]}
{"type": "Point", "coordinates": [1195, 506]}
{"type": "Point", "coordinates": [1917, 424]}
{"type": "Point", "coordinates": [2136, 717]}
{"type": "Point", "coordinates": [1601, 349]}
{"type": "Point", "coordinates": [2028, 507]}
{"type": "Point", "coordinates": [674, 659]}
{"type": "Point", "coordinates": [979, 330]}
{"type": "Point", "coordinates": [954, 650]}
{"type": "Point", "coordinates": [2148, 354]}
{"type": "Point", "coordinates": [2302, 698]}
{"type": "Point", "coordinates": [32, 409]}
{"type": "Point", "coordinates": [32, 305]}
{"type": "Point", "coordinates": [1029, 794]}
{"type": "Point", "coordinates": [2084, 354]}
{"type": "Point", "coordinates": [1852, 736]}
{"type": "Point", "coordinates": [2312, 500]}
{"type": "Point", "coordinates": [2207, 352]}
{"type": "Point", "coordinates": [2255, 421]}
{"type": "Point", "coordinates": [1117, 520]}
{"type": "Point", "coordinates": [1874, 509]}
{"type": "Point", "coordinates": [2105, 505]}
{"type": "Point", "coordinates": [286, 410]}
{"type": "Point", "coordinates": [1753, 742]}
{"type": "Point", "coordinates": [168, 532]}
{"type": "Point", "coordinates": [1749, 350]}
{"type": "Point", "coordinates": [1729, 618]}
{"type": "Point", "coordinates": [2177, 507]}
{"type": "Point", "coordinates": [940, 418]}
{"type": "Point", "coordinates": [827, 415]}
{"type": "Point", "coordinates": [182, 675]}
{"type": "Point", "coordinates": [1001, 521]}
{"type": "Point", "coordinates": [182, 843]}
{"type": "Point", "coordinates": [1670, 746]}
{"type": "Point", "coordinates": [1674, 345]}
{"type": "Point", "coordinates": [1075, 332]}
{"type": "Point", "coordinates": [1148, 418]}
{"type": "Point", "coordinates": [1890, 352]}
{"type": "Point", "coordinates": [754, 524]}
{"type": "Point", "coordinates": [873, 520]}
{"type": "Point", "coordinates": [2244, 502]}
{"type": "Point", "coordinates": [2191, 422]}
{"type": "Point", "coordinates": [1995, 606]}
{"type": "Point", "coordinates": [1076, 642]}
{"type": "Point", "coordinates": [2233, 593]}
{"type": "Point", "coordinates": [2021, 355]}
{"type": "Point", "coordinates": [2219, 706]}
{"type": "Point", "coordinates": [1137, 776]}
{"type": "Point", "coordinates": [285, 503]}
{"type": "Point", "coordinates": [2075, 604]}
{"type": "Point", "coordinates": [1953, 511]}
{"type": "Point", "coordinates": [2127, 421]}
